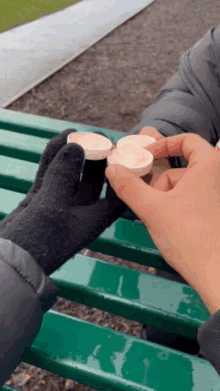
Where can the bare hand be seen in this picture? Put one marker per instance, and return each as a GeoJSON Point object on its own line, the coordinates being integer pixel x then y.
{"type": "Point", "coordinates": [181, 212]}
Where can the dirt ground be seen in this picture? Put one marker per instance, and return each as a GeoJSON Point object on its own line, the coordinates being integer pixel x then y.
{"type": "Point", "coordinates": [109, 86]}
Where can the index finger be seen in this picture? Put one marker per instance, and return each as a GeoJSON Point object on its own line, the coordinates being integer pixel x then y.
{"type": "Point", "coordinates": [191, 146]}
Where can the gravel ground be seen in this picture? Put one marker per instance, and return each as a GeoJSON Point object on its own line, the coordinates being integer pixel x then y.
{"type": "Point", "coordinates": [109, 86]}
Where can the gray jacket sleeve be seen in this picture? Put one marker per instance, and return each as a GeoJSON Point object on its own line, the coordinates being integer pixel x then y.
{"type": "Point", "coordinates": [26, 293]}
{"type": "Point", "coordinates": [190, 102]}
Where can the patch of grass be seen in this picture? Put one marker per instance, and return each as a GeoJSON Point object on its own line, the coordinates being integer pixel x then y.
{"type": "Point", "coordinates": [17, 12]}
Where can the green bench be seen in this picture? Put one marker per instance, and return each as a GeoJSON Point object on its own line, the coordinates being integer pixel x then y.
{"type": "Point", "coordinates": [85, 352]}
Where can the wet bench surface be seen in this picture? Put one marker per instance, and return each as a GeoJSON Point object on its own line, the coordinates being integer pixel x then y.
{"type": "Point", "coordinates": [90, 354]}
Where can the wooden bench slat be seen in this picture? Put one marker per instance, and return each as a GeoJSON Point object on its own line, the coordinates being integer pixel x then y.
{"type": "Point", "coordinates": [124, 239]}
{"type": "Point", "coordinates": [130, 240]}
{"type": "Point", "coordinates": [9, 201]}
{"type": "Point", "coordinates": [36, 125]}
{"type": "Point", "coordinates": [107, 359]}
{"type": "Point", "coordinates": [22, 150]}
{"type": "Point", "coordinates": [169, 305]}
{"type": "Point", "coordinates": [17, 175]}
{"type": "Point", "coordinates": [46, 127]}
{"type": "Point", "coordinates": [22, 146]}
{"type": "Point", "coordinates": [91, 354]}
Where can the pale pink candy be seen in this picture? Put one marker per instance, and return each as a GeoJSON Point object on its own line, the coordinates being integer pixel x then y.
{"type": "Point", "coordinates": [136, 159]}
{"type": "Point", "coordinates": [136, 139]}
{"type": "Point", "coordinates": [96, 147]}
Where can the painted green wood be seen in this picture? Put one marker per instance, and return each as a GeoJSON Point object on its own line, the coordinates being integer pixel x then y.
{"type": "Point", "coordinates": [22, 146]}
{"type": "Point", "coordinates": [109, 360]}
{"type": "Point", "coordinates": [7, 388]}
{"type": "Point", "coordinates": [90, 354]}
{"type": "Point", "coordinates": [17, 175]}
{"type": "Point", "coordinates": [24, 137]}
{"type": "Point", "coordinates": [46, 127]}
{"type": "Point", "coordinates": [9, 201]}
{"type": "Point", "coordinates": [130, 240]}
{"type": "Point", "coordinates": [125, 239]}
{"type": "Point", "coordinates": [142, 297]}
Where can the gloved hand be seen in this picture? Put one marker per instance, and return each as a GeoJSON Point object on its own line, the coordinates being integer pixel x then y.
{"type": "Point", "coordinates": [61, 215]}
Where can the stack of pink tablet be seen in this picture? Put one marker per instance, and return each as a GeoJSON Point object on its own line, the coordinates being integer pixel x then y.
{"type": "Point", "coordinates": [130, 152]}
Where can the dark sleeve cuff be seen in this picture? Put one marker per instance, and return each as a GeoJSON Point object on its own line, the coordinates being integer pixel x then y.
{"type": "Point", "coordinates": [24, 264]}
{"type": "Point", "coordinates": [208, 337]}
{"type": "Point", "coordinates": [25, 294]}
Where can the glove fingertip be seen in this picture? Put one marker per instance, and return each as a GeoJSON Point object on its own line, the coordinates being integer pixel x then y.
{"type": "Point", "coordinates": [69, 130]}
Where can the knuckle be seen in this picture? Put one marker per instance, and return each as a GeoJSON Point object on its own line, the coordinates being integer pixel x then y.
{"type": "Point", "coordinates": [195, 138]}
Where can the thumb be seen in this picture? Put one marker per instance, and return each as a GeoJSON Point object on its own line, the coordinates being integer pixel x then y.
{"type": "Point", "coordinates": [140, 197]}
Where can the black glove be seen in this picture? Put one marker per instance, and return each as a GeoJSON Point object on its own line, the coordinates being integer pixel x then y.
{"type": "Point", "coordinates": [61, 215]}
